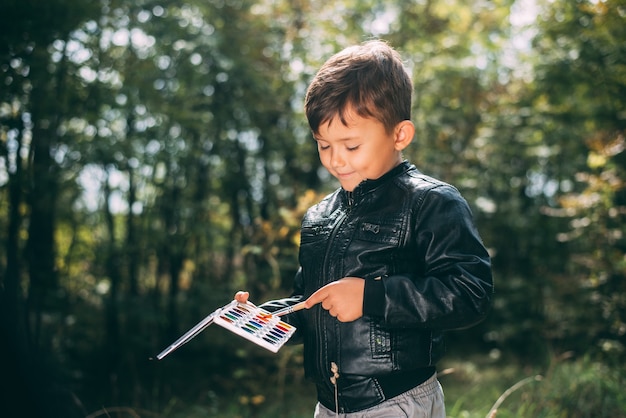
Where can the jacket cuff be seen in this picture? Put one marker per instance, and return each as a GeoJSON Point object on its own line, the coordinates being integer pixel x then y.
{"type": "Point", "coordinates": [374, 297]}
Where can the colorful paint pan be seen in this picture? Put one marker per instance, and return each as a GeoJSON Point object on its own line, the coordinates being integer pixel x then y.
{"type": "Point", "coordinates": [256, 325]}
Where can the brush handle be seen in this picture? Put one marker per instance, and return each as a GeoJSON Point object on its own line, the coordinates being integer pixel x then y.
{"type": "Point", "coordinates": [189, 335]}
{"type": "Point", "coordinates": [289, 309]}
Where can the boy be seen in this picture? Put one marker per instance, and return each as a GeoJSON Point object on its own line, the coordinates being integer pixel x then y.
{"type": "Point", "coordinates": [388, 261]}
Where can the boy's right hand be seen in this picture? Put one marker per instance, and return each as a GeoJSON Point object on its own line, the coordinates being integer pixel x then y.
{"type": "Point", "coordinates": [241, 296]}
{"type": "Point", "coordinates": [343, 298]}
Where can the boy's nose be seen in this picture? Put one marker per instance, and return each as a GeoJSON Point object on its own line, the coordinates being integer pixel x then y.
{"type": "Point", "coordinates": [336, 159]}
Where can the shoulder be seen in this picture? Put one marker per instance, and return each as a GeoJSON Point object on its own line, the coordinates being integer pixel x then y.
{"type": "Point", "coordinates": [325, 206]}
{"type": "Point", "coordinates": [423, 186]}
{"type": "Point", "coordinates": [435, 202]}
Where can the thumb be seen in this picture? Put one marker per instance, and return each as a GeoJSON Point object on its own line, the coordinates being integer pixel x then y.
{"type": "Point", "coordinates": [241, 296]}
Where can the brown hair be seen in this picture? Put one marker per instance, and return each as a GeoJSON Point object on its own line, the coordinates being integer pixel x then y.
{"type": "Point", "coordinates": [369, 77]}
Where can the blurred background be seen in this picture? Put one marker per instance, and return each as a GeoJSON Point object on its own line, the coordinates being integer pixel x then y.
{"type": "Point", "coordinates": [154, 159]}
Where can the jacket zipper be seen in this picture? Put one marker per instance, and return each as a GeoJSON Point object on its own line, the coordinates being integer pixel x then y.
{"type": "Point", "coordinates": [322, 365]}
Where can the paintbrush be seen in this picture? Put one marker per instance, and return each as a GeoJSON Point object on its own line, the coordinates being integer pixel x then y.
{"type": "Point", "coordinates": [289, 309]}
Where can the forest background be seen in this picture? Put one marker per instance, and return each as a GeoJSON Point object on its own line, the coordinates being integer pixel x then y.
{"type": "Point", "coordinates": [154, 159]}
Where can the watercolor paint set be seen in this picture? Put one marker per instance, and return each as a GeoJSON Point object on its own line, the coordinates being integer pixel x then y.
{"type": "Point", "coordinates": [256, 325]}
{"type": "Point", "coordinates": [246, 320]}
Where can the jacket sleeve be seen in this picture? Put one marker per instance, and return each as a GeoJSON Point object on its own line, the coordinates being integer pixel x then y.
{"type": "Point", "coordinates": [293, 318]}
{"type": "Point", "coordinates": [453, 288]}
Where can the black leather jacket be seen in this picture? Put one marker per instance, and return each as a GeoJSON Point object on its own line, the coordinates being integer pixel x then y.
{"type": "Point", "coordinates": [412, 239]}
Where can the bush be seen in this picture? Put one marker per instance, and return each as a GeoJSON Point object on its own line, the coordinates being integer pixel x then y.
{"type": "Point", "coordinates": [581, 389]}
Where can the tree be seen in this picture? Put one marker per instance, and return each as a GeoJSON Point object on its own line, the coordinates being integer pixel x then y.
{"type": "Point", "coordinates": [31, 142]}
{"type": "Point", "coordinates": [581, 87]}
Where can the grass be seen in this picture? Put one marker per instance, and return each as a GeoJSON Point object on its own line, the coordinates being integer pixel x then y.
{"type": "Point", "coordinates": [579, 388]}
{"type": "Point", "coordinates": [476, 388]}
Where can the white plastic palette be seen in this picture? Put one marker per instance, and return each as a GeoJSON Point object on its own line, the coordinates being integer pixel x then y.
{"type": "Point", "coordinates": [246, 320]}
{"type": "Point", "coordinates": [255, 324]}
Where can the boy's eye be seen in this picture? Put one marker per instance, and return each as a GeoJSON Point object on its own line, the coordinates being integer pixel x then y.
{"type": "Point", "coordinates": [323, 147]}
{"type": "Point", "coordinates": [354, 148]}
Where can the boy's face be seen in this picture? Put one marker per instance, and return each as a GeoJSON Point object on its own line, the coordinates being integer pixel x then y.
{"type": "Point", "coordinates": [361, 150]}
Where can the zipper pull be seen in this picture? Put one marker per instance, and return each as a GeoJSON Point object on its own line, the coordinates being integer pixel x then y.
{"type": "Point", "coordinates": [334, 369]}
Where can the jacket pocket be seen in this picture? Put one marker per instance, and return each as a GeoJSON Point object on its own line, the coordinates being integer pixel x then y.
{"type": "Point", "coordinates": [380, 231]}
{"type": "Point", "coordinates": [380, 341]}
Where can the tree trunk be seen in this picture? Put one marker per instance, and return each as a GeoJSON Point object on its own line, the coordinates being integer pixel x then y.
{"type": "Point", "coordinates": [10, 295]}
{"type": "Point", "coordinates": [40, 248]}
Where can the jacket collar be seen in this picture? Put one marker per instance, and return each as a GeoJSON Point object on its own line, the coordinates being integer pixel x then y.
{"type": "Point", "coordinates": [367, 186]}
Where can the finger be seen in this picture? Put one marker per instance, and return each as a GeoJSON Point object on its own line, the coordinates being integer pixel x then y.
{"type": "Point", "coordinates": [316, 298]}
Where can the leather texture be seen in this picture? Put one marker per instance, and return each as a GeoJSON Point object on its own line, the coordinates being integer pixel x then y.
{"type": "Point", "coordinates": [413, 240]}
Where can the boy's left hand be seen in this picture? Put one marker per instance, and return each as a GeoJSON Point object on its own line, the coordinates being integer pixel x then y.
{"type": "Point", "coordinates": [342, 299]}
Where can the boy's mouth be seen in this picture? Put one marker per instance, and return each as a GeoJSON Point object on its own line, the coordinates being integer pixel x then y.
{"type": "Point", "coordinates": [344, 175]}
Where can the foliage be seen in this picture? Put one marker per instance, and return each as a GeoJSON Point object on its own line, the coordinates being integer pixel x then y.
{"type": "Point", "coordinates": [580, 45]}
{"type": "Point", "coordinates": [582, 388]}
{"type": "Point", "coordinates": [501, 389]}
{"type": "Point", "coordinates": [154, 159]}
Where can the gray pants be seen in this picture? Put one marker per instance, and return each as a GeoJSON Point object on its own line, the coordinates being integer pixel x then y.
{"type": "Point", "coordinates": [423, 401]}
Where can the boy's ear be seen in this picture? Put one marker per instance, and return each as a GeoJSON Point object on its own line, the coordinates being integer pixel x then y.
{"type": "Point", "coordinates": [403, 134]}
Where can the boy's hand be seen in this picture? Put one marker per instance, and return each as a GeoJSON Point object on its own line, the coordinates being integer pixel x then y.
{"type": "Point", "coordinates": [343, 299]}
{"type": "Point", "coordinates": [242, 297]}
